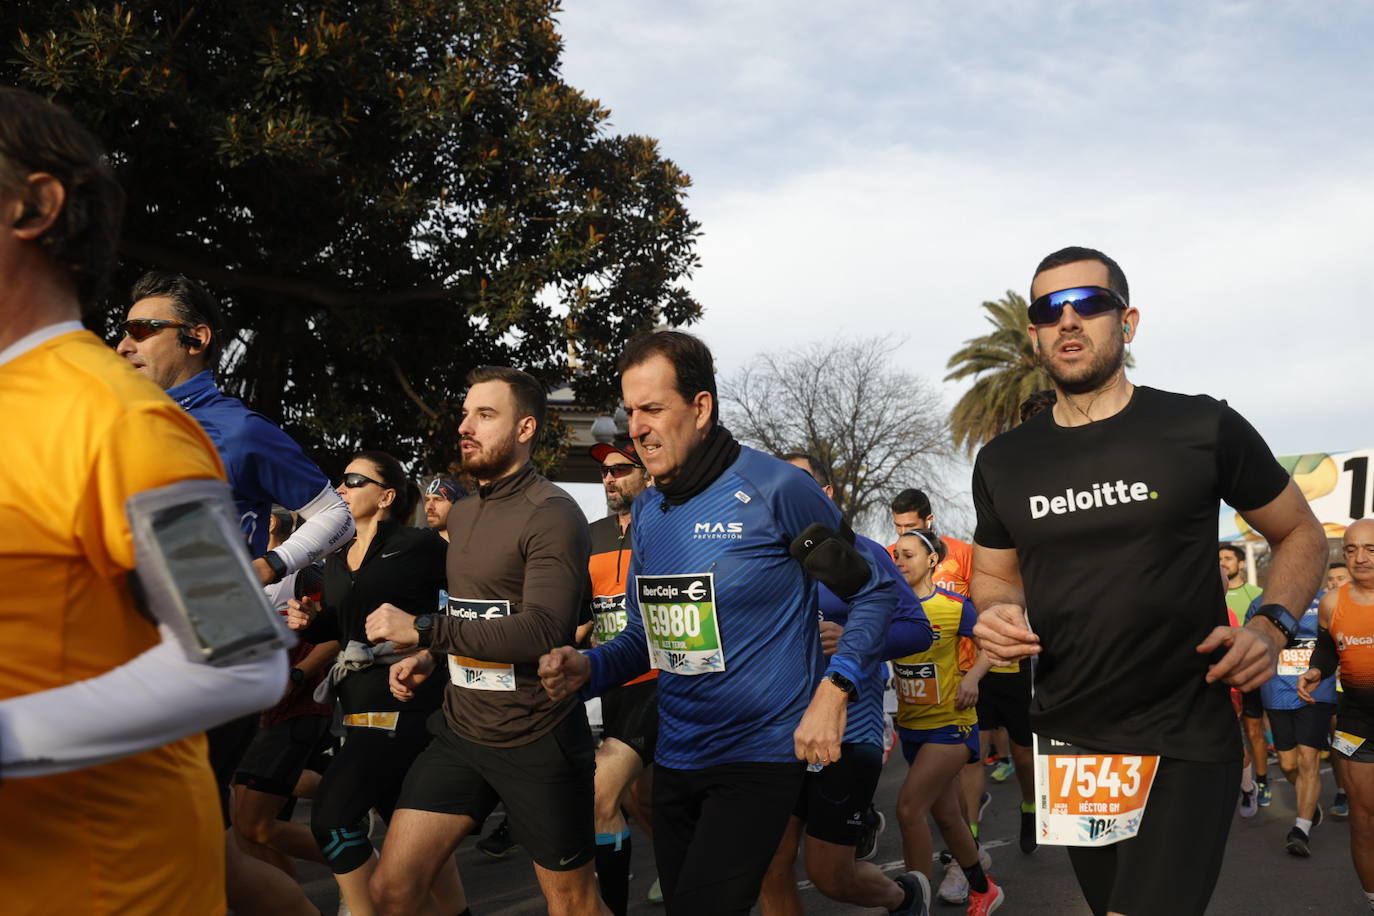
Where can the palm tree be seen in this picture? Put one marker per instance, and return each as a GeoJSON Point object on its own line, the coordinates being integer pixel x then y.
{"type": "Point", "coordinates": [992, 405]}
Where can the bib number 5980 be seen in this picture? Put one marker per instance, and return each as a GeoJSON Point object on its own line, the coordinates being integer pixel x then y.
{"type": "Point", "coordinates": [674, 621]}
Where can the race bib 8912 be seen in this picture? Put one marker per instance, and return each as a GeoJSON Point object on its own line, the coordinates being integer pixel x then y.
{"type": "Point", "coordinates": [680, 624]}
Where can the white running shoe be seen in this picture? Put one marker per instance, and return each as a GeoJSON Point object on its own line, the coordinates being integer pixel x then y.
{"type": "Point", "coordinates": [954, 887]}
{"type": "Point", "coordinates": [1249, 802]}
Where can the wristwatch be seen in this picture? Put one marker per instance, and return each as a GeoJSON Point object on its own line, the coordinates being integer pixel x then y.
{"type": "Point", "coordinates": [1280, 617]}
{"type": "Point", "coordinates": [297, 675]}
{"type": "Point", "coordinates": [842, 682]}
{"type": "Point", "coordinates": [424, 625]}
{"type": "Point", "coordinates": [276, 564]}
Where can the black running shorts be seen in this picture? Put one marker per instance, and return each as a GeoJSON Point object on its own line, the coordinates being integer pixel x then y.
{"type": "Point", "coordinates": [630, 715]}
{"type": "Point", "coordinates": [1004, 702]}
{"type": "Point", "coordinates": [1307, 725]}
{"type": "Point", "coordinates": [546, 785]}
{"type": "Point", "coordinates": [1252, 705]}
{"type": "Point", "coordinates": [834, 800]}
{"type": "Point", "coordinates": [715, 831]}
{"type": "Point", "coordinates": [1171, 865]}
{"type": "Point", "coordinates": [274, 761]}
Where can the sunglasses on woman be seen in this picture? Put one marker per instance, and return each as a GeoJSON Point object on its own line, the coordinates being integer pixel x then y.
{"type": "Point", "coordinates": [354, 481]}
{"type": "Point", "coordinates": [140, 329]}
{"type": "Point", "coordinates": [1087, 301]}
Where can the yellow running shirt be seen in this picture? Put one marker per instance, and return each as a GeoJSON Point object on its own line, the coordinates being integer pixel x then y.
{"type": "Point", "coordinates": [928, 681]}
{"type": "Point", "coordinates": [142, 834]}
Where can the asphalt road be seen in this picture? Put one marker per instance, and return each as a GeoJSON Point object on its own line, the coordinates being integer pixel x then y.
{"type": "Point", "coordinates": [1258, 877]}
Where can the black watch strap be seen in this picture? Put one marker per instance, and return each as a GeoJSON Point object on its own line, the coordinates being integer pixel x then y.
{"type": "Point", "coordinates": [424, 625]}
{"type": "Point", "coordinates": [842, 682]}
{"type": "Point", "coordinates": [297, 675]}
{"type": "Point", "coordinates": [1281, 618]}
{"type": "Point", "coordinates": [276, 564]}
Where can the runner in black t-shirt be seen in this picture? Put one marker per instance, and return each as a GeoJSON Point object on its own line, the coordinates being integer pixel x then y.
{"type": "Point", "coordinates": [1101, 516]}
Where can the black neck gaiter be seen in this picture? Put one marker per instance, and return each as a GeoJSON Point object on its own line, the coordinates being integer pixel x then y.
{"type": "Point", "coordinates": [702, 467]}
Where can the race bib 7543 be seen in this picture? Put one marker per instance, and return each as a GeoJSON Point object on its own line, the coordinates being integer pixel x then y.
{"type": "Point", "coordinates": [1085, 798]}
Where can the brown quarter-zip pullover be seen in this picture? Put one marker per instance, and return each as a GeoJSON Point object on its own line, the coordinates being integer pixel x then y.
{"type": "Point", "coordinates": [524, 541]}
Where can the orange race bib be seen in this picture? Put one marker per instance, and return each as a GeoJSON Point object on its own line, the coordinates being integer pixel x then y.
{"type": "Point", "coordinates": [1085, 798]}
{"type": "Point", "coordinates": [917, 684]}
{"type": "Point", "coordinates": [1297, 658]}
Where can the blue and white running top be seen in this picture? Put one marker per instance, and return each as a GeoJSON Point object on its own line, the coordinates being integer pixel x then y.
{"type": "Point", "coordinates": [908, 632]}
{"type": "Point", "coordinates": [733, 617]}
{"type": "Point", "coordinates": [1281, 690]}
{"type": "Point", "coordinates": [264, 464]}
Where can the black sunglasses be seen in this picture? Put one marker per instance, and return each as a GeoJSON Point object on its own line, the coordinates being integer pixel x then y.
{"type": "Point", "coordinates": [619, 470]}
{"type": "Point", "coordinates": [1087, 301]}
{"type": "Point", "coordinates": [353, 481]}
{"type": "Point", "coordinates": [139, 329]}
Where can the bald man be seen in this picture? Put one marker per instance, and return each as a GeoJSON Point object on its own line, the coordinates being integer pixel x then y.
{"type": "Point", "coordinates": [1346, 637]}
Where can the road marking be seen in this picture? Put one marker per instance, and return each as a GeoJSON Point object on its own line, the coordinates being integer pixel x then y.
{"type": "Point", "coordinates": [900, 864]}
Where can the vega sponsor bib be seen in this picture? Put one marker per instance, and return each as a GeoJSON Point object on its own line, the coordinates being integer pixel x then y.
{"type": "Point", "coordinates": [473, 673]}
{"type": "Point", "coordinates": [680, 624]}
{"type": "Point", "coordinates": [1085, 798]}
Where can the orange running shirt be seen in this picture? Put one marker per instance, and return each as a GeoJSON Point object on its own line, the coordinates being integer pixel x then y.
{"type": "Point", "coordinates": [142, 834]}
{"type": "Point", "coordinates": [1352, 627]}
{"type": "Point", "coordinates": [608, 567]}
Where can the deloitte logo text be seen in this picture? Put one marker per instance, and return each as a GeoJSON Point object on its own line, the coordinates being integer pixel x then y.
{"type": "Point", "coordinates": [1102, 494]}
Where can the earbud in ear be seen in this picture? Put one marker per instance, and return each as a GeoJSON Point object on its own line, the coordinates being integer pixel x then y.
{"type": "Point", "coordinates": [1125, 329]}
{"type": "Point", "coordinates": [28, 213]}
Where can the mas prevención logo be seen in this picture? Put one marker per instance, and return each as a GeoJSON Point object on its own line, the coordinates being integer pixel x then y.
{"type": "Point", "coordinates": [1102, 495]}
{"type": "Point", "coordinates": [718, 530]}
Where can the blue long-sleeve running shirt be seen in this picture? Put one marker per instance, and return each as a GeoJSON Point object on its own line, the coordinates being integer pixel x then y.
{"type": "Point", "coordinates": [721, 561]}
{"type": "Point", "coordinates": [908, 632]}
{"type": "Point", "coordinates": [264, 465]}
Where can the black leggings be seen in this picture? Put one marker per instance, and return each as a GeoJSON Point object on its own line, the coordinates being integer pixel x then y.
{"type": "Point", "coordinates": [367, 772]}
{"type": "Point", "coordinates": [1170, 866]}
{"type": "Point", "coordinates": [715, 831]}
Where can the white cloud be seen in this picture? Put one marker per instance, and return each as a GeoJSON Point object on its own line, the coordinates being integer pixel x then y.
{"type": "Point", "coordinates": [882, 168]}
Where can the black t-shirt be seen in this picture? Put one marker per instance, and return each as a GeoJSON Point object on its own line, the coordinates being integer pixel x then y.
{"type": "Point", "coordinates": [403, 566]}
{"type": "Point", "coordinates": [1115, 529]}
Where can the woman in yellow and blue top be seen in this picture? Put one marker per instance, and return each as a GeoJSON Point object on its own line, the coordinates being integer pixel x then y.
{"type": "Point", "coordinates": [938, 723]}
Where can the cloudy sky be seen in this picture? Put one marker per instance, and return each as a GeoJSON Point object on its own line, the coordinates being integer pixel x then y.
{"type": "Point", "coordinates": [881, 168]}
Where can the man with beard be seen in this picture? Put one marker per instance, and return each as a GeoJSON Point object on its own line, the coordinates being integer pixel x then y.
{"type": "Point", "coordinates": [440, 496]}
{"type": "Point", "coordinates": [629, 713]}
{"type": "Point", "coordinates": [517, 570]}
{"type": "Point", "coordinates": [1100, 514]}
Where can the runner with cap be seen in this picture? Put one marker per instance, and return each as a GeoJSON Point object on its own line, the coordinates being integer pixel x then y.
{"type": "Point", "coordinates": [629, 713]}
{"type": "Point", "coordinates": [440, 495]}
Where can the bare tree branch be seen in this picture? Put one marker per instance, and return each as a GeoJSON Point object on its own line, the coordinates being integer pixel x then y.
{"type": "Point", "coordinates": [872, 429]}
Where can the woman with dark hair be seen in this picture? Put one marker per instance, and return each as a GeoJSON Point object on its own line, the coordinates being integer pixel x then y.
{"type": "Point", "coordinates": [387, 562]}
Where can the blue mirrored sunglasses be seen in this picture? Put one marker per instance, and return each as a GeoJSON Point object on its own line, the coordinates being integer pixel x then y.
{"type": "Point", "coordinates": [1086, 301]}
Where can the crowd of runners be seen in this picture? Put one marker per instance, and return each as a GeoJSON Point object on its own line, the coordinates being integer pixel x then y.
{"type": "Point", "coordinates": [154, 736]}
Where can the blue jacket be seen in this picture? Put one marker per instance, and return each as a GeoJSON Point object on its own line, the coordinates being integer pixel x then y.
{"type": "Point", "coordinates": [735, 535]}
{"type": "Point", "coordinates": [908, 632]}
{"type": "Point", "coordinates": [264, 464]}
